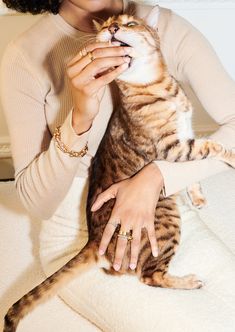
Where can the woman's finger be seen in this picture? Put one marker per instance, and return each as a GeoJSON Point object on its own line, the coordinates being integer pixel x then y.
{"type": "Point", "coordinates": [135, 247]}
{"type": "Point", "coordinates": [108, 233]}
{"type": "Point", "coordinates": [104, 197]}
{"type": "Point", "coordinates": [88, 48]}
{"type": "Point", "coordinates": [152, 238]}
{"type": "Point", "coordinates": [95, 67]}
{"type": "Point", "coordinates": [95, 85]}
{"type": "Point", "coordinates": [121, 246]}
{"type": "Point", "coordinates": [116, 51]}
{"type": "Point", "coordinates": [120, 250]}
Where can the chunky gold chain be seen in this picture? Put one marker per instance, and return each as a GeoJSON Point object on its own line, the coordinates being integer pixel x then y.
{"type": "Point", "coordinates": [63, 147]}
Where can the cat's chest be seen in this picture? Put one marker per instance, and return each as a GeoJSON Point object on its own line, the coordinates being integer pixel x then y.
{"type": "Point", "coordinates": [167, 117]}
{"type": "Point", "coordinates": [184, 126]}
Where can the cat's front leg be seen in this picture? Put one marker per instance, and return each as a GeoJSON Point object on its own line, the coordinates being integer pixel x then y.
{"type": "Point", "coordinates": [197, 149]}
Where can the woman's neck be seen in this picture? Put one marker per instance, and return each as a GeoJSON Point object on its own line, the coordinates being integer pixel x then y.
{"type": "Point", "coordinates": [81, 18]}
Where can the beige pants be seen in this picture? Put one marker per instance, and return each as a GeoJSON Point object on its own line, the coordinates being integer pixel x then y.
{"type": "Point", "coordinates": [123, 304]}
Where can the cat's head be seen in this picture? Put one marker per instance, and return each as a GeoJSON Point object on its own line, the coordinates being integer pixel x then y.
{"type": "Point", "coordinates": [141, 35]}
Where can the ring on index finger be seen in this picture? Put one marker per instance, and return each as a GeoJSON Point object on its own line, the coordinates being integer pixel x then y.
{"type": "Point", "coordinates": [91, 56]}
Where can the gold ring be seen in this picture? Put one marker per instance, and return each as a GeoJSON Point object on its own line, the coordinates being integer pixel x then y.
{"type": "Point", "coordinates": [83, 52]}
{"type": "Point", "coordinates": [91, 56]}
{"type": "Point", "coordinates": [125, 235]}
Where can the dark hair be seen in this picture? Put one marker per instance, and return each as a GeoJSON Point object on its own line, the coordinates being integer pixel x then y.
{"type": "Point", "coordinates": [34, 6]}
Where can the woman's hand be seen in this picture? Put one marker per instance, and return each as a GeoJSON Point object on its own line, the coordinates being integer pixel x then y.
{"type": "Point", "coordinates": [136, 200]}
{"type": "Point", "coordinates": [88, 78]}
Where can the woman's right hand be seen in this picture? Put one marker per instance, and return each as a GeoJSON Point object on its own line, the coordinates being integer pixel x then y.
{"type": "Point", "coordinates": [87, 80]}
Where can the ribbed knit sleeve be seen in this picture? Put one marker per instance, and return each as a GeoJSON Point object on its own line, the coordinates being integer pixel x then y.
{"type": "Point", "coordinates": [197, 64]}
{"type": "Point", "coordinates": [43, 173]}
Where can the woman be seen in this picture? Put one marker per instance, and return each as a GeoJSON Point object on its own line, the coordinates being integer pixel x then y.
{"type": "Point", "coordinates": [46, 83]}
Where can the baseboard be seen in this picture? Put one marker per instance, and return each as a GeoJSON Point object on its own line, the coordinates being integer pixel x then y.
{"type": "Point", "coordinates": [5, 149]}
{"type": "Point", "coordinates": [6, 163]}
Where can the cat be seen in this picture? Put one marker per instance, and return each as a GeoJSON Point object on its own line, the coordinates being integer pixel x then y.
{"type": "Point", "coordinates": [147, 126]}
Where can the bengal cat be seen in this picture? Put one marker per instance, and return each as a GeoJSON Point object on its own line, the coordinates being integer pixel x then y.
{"type": "Point", "coordinates": [153, 122]}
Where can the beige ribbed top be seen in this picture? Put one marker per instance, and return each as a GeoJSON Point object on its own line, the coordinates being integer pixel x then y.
{"type": "Point", "coordinates": [36, 99]}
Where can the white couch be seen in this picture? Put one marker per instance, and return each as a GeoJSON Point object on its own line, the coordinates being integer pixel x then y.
{"type": "Point", "coordinates": [207, 248]}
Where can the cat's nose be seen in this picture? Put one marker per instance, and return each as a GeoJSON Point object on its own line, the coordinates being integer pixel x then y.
{"type": "Point", "coordinates": [113, 28]}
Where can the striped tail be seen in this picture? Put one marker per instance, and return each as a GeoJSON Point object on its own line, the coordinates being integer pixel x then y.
{"type": "Point", "coordinates": [83, 261]}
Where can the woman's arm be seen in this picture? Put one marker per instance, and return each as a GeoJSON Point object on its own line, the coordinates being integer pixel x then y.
{"type": "Point", "coordinates": [197, 64]}
{"type": "Point", "coordinates": [43, 173]}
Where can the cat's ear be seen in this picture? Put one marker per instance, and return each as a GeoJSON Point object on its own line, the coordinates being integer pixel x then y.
{"type": "Point", "coordinates": [152, 18]}
{"type": "Point", "coordinates": [97, 25]}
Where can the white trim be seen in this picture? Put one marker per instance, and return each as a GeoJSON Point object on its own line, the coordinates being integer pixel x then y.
{"type": "Point", "coordinates": [5, 148]}
{"type": "Point", "coordinates": [194, 4]}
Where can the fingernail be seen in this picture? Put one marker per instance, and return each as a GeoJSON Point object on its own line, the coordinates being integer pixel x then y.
{"type": "Point", "coordinates": [116, 267]}
{"type": "Point", "coordinates": [155, 253]}
{"type": "Point", "coordinates": [94, 207]}
{"type": "Point", "coordinates": [127, 59]}
{"type": "Point", "coordinates": [132, 266]}
{"type": "Point", "coordinates": [124, 66]}
{"type": "Point", "coordinates": [101, 252]}
{"type": "Point", "coordinates": [127, 50]}
{"type": "Point", "coordinates": [116, 43]}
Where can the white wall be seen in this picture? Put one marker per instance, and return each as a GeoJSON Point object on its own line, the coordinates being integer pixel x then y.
{"type": "Point", "coordinates": [216, 19]}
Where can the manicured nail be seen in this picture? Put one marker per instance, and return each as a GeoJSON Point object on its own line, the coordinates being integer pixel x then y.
{"type": "Point", "coordinates": [127, 50]}
{"type": "Point", "coordinates": [101, 252]}
{"type": "Point", "coordinates": [127, 59]}
{"type": "Point", "coordinates": [116, 43]}
{"type": "Point", "coordinates": [124, 66]}
{"type": "Point", "coordinates": [132, 266]}
{"type": "Point", "coordinates": [116, 267]}
{"type": "Point", "coordinates": [155, 253]}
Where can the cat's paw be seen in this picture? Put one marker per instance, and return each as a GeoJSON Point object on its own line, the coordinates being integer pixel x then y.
{"type": "Point", "coordinates": [196, 196]}
{"type": "Point", "coordinates": [199, 202]}
{"type": "Point", "coordinates": [191, 281]}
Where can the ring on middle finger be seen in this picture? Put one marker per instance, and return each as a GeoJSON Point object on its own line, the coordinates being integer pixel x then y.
{"type": "Point", "coordinates": [125, 235]}
{"type": "Point", "coordinates": [83, 52]}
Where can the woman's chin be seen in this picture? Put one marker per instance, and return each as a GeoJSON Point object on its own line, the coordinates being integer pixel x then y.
{"type": "Point", "coordinates": [95, 6]}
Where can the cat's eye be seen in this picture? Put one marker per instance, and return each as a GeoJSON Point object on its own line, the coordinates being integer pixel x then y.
{"type": "Point", "coordinates": [131, 24]}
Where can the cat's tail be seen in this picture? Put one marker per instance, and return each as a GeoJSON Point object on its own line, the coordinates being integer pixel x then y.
{"type": "Point", "coordinates": [83, 261]}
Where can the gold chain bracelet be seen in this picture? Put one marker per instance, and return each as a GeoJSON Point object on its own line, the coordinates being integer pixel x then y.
{"type": "Point", "coordinates": [63, 147]}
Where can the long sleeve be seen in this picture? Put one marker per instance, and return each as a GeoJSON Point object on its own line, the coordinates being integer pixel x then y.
{"type": "Point", "coordinates": [198, 66]}
{"type": "Point", "coordinates": [43, 173]}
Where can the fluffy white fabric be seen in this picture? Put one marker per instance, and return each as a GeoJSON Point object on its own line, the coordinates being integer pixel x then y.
{"type": "Point", "coordinates": [123, 304]}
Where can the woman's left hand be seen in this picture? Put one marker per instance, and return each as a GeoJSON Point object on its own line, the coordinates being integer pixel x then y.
{"type": "Point", "coordinates": [136, 200]}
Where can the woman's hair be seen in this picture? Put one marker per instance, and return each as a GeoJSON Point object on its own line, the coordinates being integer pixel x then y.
{"type": "Point", "coordinates": [34, 6]}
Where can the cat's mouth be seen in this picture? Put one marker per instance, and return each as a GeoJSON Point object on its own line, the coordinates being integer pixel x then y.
{"type": "Point", "coordinates": [121, 42]}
